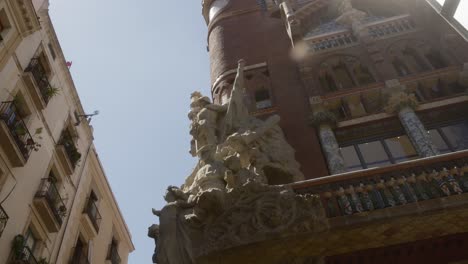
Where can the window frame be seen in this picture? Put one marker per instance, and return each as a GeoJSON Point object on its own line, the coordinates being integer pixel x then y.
{"type": "Point", "coordinates": [438, 127]}
{"type": "Point", "coordinates": [381, 139]}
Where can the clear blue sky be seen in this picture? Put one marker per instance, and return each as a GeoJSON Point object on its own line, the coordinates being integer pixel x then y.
{"type": "Point", "coordinates": [137, 62]}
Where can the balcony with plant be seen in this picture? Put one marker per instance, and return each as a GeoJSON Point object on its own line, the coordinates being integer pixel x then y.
{"type": "Point", "coordinates": [68, 151]}
{"type": "Point", "coordinates": [37, 79]}
{"type": "Point", "coordinates": [22, 254]}
{"type": "Point", "coordinates": [50, 205]}
{"type": "Point", "coordinates": [14, 131]}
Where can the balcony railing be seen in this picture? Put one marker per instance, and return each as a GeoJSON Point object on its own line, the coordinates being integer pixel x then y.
{"type": "Point", "coordinates": [114, 255]}
{"type": "Point", "coordinates": [40, 77]}
{"type": "Point", "coordinates": [49, 191]}
{"type": "Point", "coordinates": [397, 185]}
{"type": "Point", "coordinates": [93, 213]}
{"type": "Point", "coordinates": [3, 220]}
{"type": "Point", "coordinates": [79, 258]}
{"type": "Point", "coordinates": [19, 131]}
{"type": "Point", "coordinates": [24, 255]}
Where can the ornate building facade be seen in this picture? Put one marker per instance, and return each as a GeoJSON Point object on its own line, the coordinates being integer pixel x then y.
{"type": "Point", "coordinates": [56, 205]}
{"type": "Point", "coordinates": [371, 97]}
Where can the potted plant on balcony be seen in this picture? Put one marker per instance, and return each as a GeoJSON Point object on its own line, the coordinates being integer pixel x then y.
{"type": "Point", "coordinates": [42, 261]}
{"type": "Point", "coordinates": [52, 91]}
{"type": "Point", "coordinates": [18, 246]}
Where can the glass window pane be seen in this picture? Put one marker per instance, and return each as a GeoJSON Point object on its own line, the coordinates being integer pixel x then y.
{"type": "Point", "coordinates": [401, 148]}
{"type": "Point", "coordinates": [457, 135]}
{"type": "Point", "coordinates": [462, 13]}
{"type": "Point", "coordinates": [374, 154]}
{"type": "Point", "coordinates": [441, 2]}
{"type": "Point", "coordinates": [351, 158]}
{"type": "Point", "coordinates": [438, 141]}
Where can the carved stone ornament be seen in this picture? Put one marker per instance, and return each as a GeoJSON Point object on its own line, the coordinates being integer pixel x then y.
{"type": "Point", "coordinates": [399, 101]}
{"type": "Point", "coordinates": [323, 117]}
{"type": "Point", "coordinates": [226, 201]}
{"type": "Point", "coordinates": [256, 212]}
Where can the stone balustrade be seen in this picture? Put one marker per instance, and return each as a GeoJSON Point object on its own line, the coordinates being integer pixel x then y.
{"type": "Point", "coordinates": [391, 26]}
{"type": "Point", "coordinates": [411, 182]}
{"type": "Point", "coordinates": [335, 40]}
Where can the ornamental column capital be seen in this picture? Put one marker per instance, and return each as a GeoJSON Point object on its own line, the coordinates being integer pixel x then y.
{"type": "Point", "coordinates": [398, 98]}
{"type": "Point", "coordinates": [320, 115]}
{"type": "Point", "coordinates": [399, 101]}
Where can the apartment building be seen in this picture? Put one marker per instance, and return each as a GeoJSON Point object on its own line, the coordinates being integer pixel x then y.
{"type": "Point", "coordinates": [56, 204]}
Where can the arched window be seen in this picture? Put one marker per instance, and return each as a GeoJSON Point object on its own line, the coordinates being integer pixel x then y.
{"type": "Point", "coordinates": [262, 99]}
{"type": "Point", "coordinates": [363, 74]}
{"type": "Point", "coordinates": [343, 72]}
{"type": "Point", "coordinates": [327, 82]}
{"type": "Point", "coordinates": [400, 67]}
{"type": "Point", "coordinates": [436, 59]}
{"type": "Point", "coordinates": [343, 77]}
{"type": "Point", "coordinates": [416, 58]}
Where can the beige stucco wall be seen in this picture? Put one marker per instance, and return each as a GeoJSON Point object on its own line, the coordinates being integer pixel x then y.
{"type": "Point", "coordinates": [23, 181]}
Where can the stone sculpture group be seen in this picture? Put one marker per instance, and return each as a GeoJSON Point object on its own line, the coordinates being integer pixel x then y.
{"type": "Point", "coordinates": [229, 199]}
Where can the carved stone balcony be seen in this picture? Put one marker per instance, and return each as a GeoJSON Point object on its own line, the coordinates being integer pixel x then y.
{"type": "Point", "coordinates": [37, 81]}
{"type": "Point", "coordinates": [410, 202]}
{"type": "Point", "coordinates": [3, 220]}
{"type": "Point", "coordinates": [91, 218]}
{"type": "Point", "coordinates": [50, 205]}
{"type": "Point", "coordinates": [16, 140]}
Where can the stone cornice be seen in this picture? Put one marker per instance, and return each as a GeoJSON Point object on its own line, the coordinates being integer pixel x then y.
{"type": "Point", "coordinates": [25, 16]}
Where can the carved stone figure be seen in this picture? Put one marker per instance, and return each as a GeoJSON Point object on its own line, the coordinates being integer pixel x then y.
{"type": "Point", "coordinates": [173, 242]}
{"type": "Point", "coordinates": [226, 201]}
{"type": "Point", "coordinates": [153, 232]}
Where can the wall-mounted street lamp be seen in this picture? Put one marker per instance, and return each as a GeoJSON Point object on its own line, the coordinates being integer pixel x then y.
{"type": "Point", "coordinates": [80, 118]}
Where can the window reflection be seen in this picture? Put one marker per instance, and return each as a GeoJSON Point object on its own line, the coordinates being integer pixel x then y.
{"type": "Point", "coordinates": [401, 148]}
{"type": "Point", "coordinates": [438, 141]}
{"type": "Point", "coordinates": [374, 154]}
{"type": "Point", "coordinates": [351, 158]}
{"type": "Point", "coordinates": [457, 135]}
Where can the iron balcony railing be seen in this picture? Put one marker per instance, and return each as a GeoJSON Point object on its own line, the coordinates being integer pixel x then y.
{"type": "Point", "coordinates": [24, 256]}
{"type": "Point", "coordinates": [114, 255]}
{"type": "Point", "coordinates": [79, 257]}
{"type": "Point", "coordinates": [410, 182]}
{"type": "Point", "coordinates": [93, 213]}
{"type": "Point", "coordinates": [49, 191]}
{"type": "Point", "coordinates": [40, 76]}
{"type": "Point", "coordinates": [3, 220]}
{"type": "Point", "coordinates": [70, 148]}
{"type": "Point", "coordinates": [10, 115]}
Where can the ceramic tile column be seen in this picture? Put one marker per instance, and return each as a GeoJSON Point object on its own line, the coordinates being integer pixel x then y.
{"type": "Point", "coordinates": [403, 104]}
{"type": "Point", "coordinates": [325, 121]}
